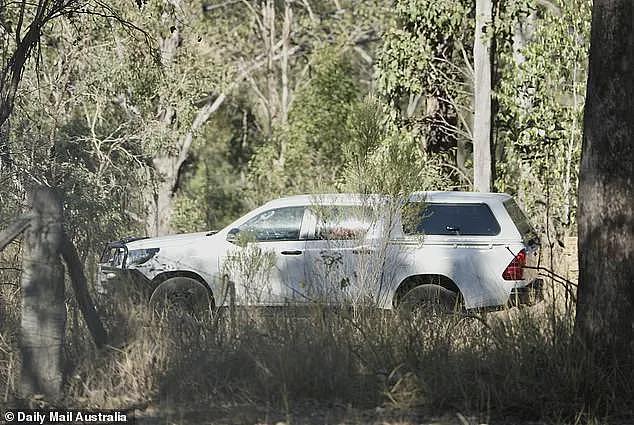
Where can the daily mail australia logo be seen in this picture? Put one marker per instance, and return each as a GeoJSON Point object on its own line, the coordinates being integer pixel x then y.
{"type": "Point", "coordinates": [42, 417]}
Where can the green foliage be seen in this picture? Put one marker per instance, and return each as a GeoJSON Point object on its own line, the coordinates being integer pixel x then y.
{"type": "Point", "coordinates": [539, 94]}
{"type": "Point", "coordinates": [301, 152]}
{"type": "Point", "coordinates": [74, 137]}
{"type": "Point", "coordinates": [299, 172]}
{"type": "Point", "coordinates": [541, 114]}
{"type": "Point", "coordinates": [320, 110]}
{"type": "Point", "coordinates": [382, 159]}
{"type": "Point", "coordinates": [414, 56]}
{"type": "Point", "coordinates": [189, 210]}
{"type": "Point", "coordinates": [213, 190]}
{"type": "Point", "coordinates": [424, 73]}
{"type": "Point", "coordinates": [110, 100]}
{"type": "Point", "coordinates": [307, 155]}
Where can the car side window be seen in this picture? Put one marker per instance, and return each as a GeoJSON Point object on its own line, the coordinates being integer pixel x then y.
{"type": "Point", "coordinates": [449, 219]}
{"type": "Point", "coordinates": [341, 222]}
{"type": "Point", "coordinates": [281, 224]}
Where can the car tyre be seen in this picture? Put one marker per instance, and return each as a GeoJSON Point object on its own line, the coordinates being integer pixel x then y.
{"type": "Point", "coordinates": [430, 299]}
{"type": "Point", "coordinates": [182, 294]}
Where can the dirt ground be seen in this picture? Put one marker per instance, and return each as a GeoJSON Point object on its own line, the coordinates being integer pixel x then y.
{"type": "Point", "coordinates": [305, 414]}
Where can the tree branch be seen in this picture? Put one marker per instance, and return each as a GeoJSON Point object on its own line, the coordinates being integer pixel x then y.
{"type": "Point", "coordinates": [14, 230]}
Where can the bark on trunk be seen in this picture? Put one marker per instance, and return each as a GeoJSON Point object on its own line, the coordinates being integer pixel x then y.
{"type": "Point", "coordinates": [14, 230]}
{"type": "Point", "coordinates": [482, 98]}
{"type": "Point", "coordinates": [605, 307]}
{"type": "Point", "coordinates": [160, 209]}
{"type": "Point", "coordinates": [43, 307]}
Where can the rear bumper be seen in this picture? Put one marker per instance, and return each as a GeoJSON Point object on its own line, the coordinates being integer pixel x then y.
{"type": "Point", "coordinates": [527, 295]}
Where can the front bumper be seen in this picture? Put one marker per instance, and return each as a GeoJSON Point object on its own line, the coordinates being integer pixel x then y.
{"type": "Point", "coordinates": [114, 281]}
{"type": "Point", "coordinates": [528, 295]}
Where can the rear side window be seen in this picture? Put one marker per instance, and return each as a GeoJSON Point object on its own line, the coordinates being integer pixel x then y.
{"type": "Point", "coordinates": [449, 219]}
{"type": "Point", "coordinates": [342, 222]}
{"type": "Point", "coordinates": [520, 220]}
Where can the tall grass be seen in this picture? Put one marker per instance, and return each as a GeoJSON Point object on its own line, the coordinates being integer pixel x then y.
{"type": "Point", "coordinates": [521, 364]}
{"type": "Point", "coordinates": [9, 320]}
{"type": "Point", "coordinates": [516, 363]}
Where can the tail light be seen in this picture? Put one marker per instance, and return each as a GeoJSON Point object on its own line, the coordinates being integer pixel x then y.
{"type": "Point", "coordinates": [515, 269]}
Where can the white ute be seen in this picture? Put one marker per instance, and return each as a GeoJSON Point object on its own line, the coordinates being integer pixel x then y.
{"type": "Point", "coordinates": [445, 248]}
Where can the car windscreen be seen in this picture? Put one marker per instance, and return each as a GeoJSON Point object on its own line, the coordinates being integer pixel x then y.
{"type": "Point", "coordinates": [520, 220]}
{"type": "Point", "coordinates": [472, 219]}
{"type": "Point", "coordinates": [280, 224]}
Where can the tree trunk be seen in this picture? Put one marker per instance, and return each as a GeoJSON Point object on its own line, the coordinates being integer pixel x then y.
{"type": "Point", "coordinates": [168, 168]}
{"type": "Point", "coordinates": [168, 164]}
{"type": "Point", "coordinates": [522, 34]}
{"type": "Point", "coordinates": [605, 307]}
{"type": "Point", "coordinates": [43, 307]}
{"type": "Point", "coordinates": [482, 98]}
{"type": "Point", "coordinates": [160, 199]}
{"type": "Point", "coordinates": [271, 74]}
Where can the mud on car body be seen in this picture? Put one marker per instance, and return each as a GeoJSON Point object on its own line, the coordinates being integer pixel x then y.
{"type": "Point", "coordinates": [449, 247]}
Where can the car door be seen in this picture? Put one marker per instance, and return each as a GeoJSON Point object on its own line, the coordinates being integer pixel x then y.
{"type": "Point", "coordinates": [337, 251]}
{"type": "Point", "coordinates": [268, 258]}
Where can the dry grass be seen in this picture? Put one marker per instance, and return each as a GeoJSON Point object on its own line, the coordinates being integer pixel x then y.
{"type": "Point", "coordinates": [9, 320]}
{"type": "Point", "coordinates": [514, 364]}
{"type": "Point", "coordinates": [519, 365]}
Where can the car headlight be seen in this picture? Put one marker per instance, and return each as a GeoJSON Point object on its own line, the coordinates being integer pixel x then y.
{"type": "Point", "coordinates": [139, 256]}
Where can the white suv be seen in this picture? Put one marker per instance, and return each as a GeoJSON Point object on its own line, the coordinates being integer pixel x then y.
{"type": "Point", "coordinates": [475, 249]}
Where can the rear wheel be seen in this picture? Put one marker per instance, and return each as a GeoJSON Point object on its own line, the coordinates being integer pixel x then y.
{"type": "Point", "coordinates": [183, 294]}
{"type": "Point", "coordinates": [430, 299]}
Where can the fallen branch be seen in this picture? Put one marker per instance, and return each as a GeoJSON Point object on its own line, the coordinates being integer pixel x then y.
{"type": "Point", "coordinates": [80, 286]}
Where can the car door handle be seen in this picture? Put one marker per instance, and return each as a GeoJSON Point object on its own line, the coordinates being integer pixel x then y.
{"type": "Point", "coordinates": [291, 253]}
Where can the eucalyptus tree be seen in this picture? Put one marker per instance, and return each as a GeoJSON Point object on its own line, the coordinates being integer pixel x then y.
{"type": "Point", "coordinates": [425, 73]}
{"type": "Point", "coordinates": [22, 25]}
{"type": "Point", "coordinates": [277, 54]}
{"type": "Point", "coordinates": [69, 131]}
{"type": "Point", "coordinates": [539, 55]}
{"type": "Point", "coordinates": [605, 307]}
{"type": "Point", "coordinates": [482, 67]}
{"type": "Point", "coordinates": [538, 125]}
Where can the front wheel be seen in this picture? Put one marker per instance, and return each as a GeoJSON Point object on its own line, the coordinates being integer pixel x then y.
{"type": "Point", "coordinates": [181, 293]}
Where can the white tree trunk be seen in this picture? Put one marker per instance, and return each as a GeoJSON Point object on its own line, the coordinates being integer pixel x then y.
{"type": "Point", "coordinates": [482, 98]}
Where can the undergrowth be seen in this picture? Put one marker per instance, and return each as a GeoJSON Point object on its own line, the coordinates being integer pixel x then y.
{"type": "Point", "coordinates": [515, 363]}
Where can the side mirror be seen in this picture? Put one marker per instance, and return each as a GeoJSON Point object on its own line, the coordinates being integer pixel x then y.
{"type": "Point", "coordinates": [232, 236]}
